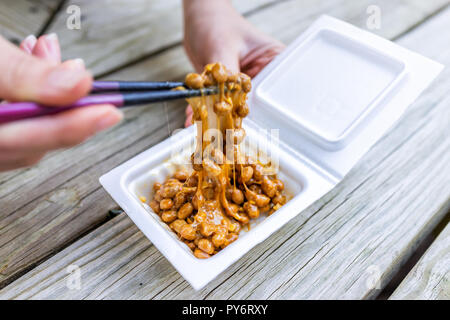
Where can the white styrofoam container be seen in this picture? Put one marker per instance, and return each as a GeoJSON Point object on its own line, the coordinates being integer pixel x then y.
{"type": "Point", "coordinates": [332, 94]}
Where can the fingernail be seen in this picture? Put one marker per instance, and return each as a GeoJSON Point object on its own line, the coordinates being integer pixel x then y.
{"type": "Point", "coordinates": [64, 79]}
{"type": "Point", "coordinates": [51, 41]}
{"type": "Point", "coordinates": [52, 37]}
{"type": "Point", "coordinates": [28, 43]}
{"type": "Point", "coordinates": [107, 121]}
{"type": "Point", "coordinates": [79, 63]}
{"type": "Point", "coordinates": [75, 64]}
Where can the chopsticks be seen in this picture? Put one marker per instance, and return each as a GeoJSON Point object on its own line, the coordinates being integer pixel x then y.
{"type": "Point", "coordinates": [116, 94]}
{"type": "Point", "coordinates": [106, 86]}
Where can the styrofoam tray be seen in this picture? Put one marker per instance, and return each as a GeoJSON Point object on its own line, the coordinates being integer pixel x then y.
{"type": "Point", "coordinates": [332, 94]}
{"type": "Point", "coordinates": [325, 110]}
{"type": "Point", "coordinates": [135, 178]}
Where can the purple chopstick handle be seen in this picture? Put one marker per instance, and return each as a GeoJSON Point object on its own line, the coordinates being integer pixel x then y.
{"type": "Point", "coordinates": [101, 86]}
{"type": "Point", "coordinates": [23, 110]}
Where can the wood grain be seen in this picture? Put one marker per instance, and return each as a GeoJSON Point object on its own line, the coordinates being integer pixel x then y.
{"type": "Point", "coordinates": [430, 278]}
{"type": "Point", "coordinates": [57, 189]}
{"type": "Point", "coordinates": [116, 33]}
{"type": "Point", "coordinates": [129, 30]}
{"type": "Point", "coordinates": [372, 221]}
{"type": "Point", "coordinates": [20, 18]}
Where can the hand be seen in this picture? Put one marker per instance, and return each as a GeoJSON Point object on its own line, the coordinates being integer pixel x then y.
{"type": "Point", "coordinates": [36, 73]}
{"type": "Point", "coordinates": [215, 32]}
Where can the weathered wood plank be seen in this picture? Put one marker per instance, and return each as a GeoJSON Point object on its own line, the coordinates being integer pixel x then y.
{"type": "Point", "coordinates": [430, 277]}
{"type": "Point", "coordinates": [396, 18]}
{"type": "Point", "coordinates": [23, 17]}
{"type": "Point", "coordinates": [72, 206]}
{"type": "Point", "coordinates": [25, 222]}
{"type": "Point", "coordinates": [21, 221]}
{"type": "Point", "coordinates": [372, 220]}
{"type": "Point", "coordinates": [114, 33]}
{"type": "Point", "coordinates": [123, 31]}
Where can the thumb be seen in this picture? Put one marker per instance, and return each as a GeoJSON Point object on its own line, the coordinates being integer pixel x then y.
{"type": "Point", "coordinates": [230, 61]}
{"type": "Point", "coordinates": [225, 52]}
{"type": "Point", "coordinates": [27, 78]}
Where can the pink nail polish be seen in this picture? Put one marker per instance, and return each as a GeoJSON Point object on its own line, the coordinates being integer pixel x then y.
{"type": "Point", "coordinates": [28, 43]}
{"type": "Point", "coordinates": [78, 64]}
{"type": "Point", "coordinates": [75, 64]}
{"type": "Point", "coordinates": [52, 44]}
{"type": "Point", "coordinates": [52, 38]}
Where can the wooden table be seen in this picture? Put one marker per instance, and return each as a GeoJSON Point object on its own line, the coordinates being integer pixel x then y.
{"type": "Point", "coordinates": [348, 245]}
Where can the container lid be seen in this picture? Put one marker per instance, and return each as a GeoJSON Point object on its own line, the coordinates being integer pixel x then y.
{"type": "Point", "coordinates": [335, 91]}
